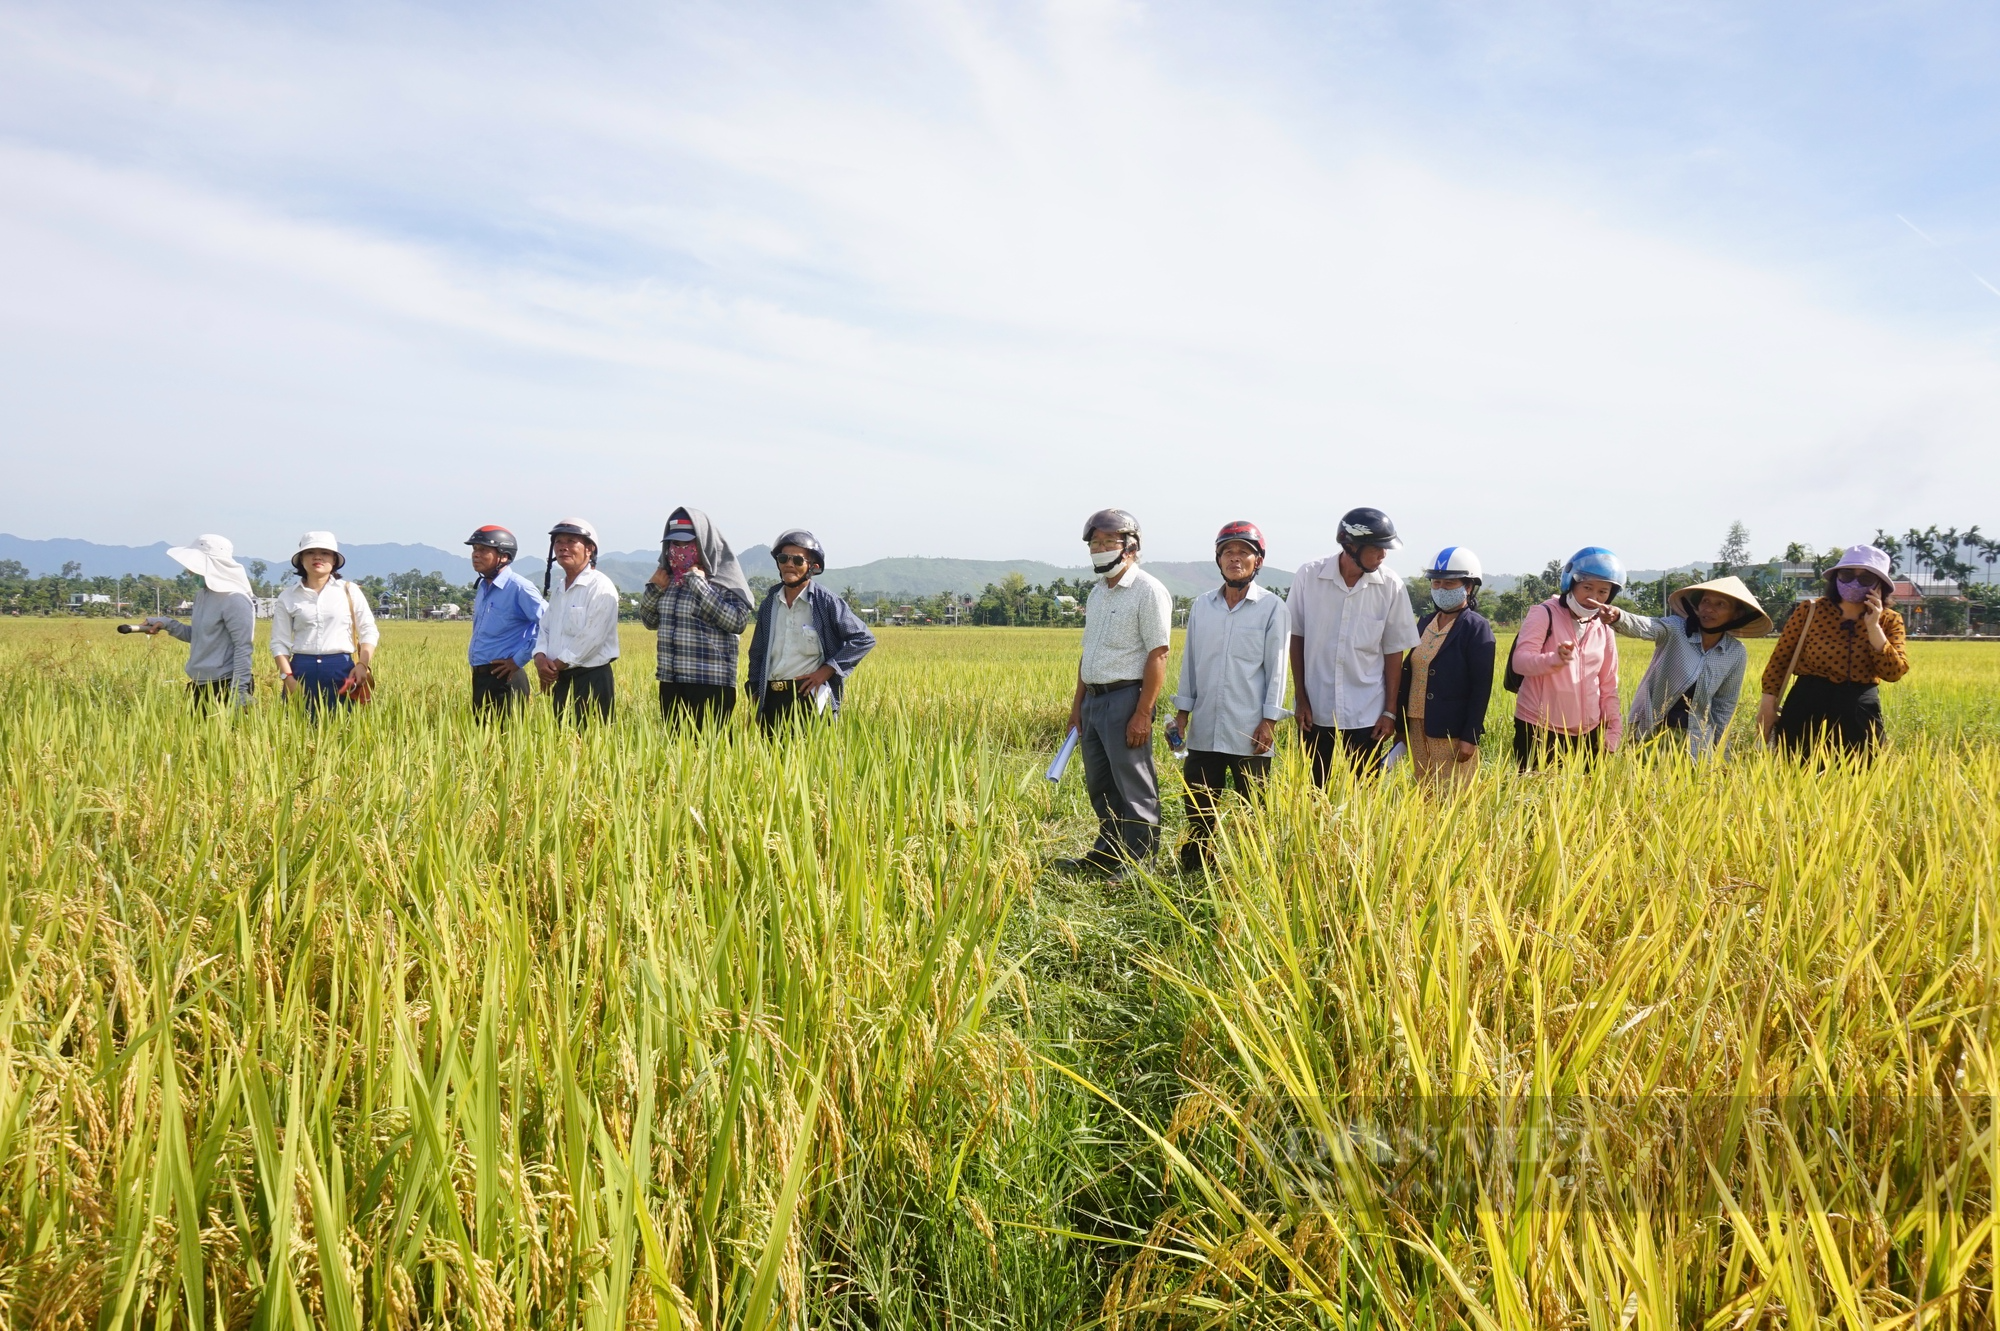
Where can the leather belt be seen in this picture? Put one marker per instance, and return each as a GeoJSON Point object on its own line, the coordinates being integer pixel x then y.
{"type": "Point", "coordinates": [1099, 690]}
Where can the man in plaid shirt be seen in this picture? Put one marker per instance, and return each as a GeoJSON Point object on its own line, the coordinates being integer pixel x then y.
{"type": "Point", "coordinates": [699, 601]}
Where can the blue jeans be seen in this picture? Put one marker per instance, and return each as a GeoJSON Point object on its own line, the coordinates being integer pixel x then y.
{"type": "Point", "coordinates": [320, 677]}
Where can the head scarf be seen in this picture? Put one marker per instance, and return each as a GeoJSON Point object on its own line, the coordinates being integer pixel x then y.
{"type": "Point", "coordinates": [215, 559]}
{"type": "Point", "coordinates": [716, 556]}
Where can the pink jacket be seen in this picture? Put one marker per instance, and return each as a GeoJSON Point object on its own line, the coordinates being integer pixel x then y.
{"type": "Point", "coordinates": [1576, 696]}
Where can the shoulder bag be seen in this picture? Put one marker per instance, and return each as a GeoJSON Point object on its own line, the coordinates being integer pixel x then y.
{"type": "Point", "coordinates": [362, 692]}
{"type": "Point", "coordinates": [1792, 667]}
{"type": "Point", "coordinates": [1512, 679]}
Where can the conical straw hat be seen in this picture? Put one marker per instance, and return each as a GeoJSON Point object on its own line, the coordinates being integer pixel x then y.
{"type": "Point", "coordinates": [1733, 588]}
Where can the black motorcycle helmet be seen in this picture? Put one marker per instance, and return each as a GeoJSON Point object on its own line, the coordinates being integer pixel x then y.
{"type": "Point", "coordinates": [806, 541]}
{"type": "Point", "coordinates": [567, 527]}
{"type": "Point", "coordinates": [1116, 521]}
{"type": "Point", "coordinates": [1363, 527]}
{"type": "Point", "coordinates": [496, 537]}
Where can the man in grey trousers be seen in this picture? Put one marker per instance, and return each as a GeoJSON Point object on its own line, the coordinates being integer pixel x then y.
{"type": "Point", "coordinates": [1127, 622]}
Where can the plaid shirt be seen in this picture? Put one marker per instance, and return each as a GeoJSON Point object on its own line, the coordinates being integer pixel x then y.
{"type": "Point", "coordinates": [699, 624]}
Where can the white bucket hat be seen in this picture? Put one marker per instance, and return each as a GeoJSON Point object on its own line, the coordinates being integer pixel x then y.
{"type": "Point", "coordinates": [215, 559]}
{"type": "Point", "coordinates": [318, 540]}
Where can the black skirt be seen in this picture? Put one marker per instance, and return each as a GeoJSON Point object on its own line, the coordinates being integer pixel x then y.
{"type": "Point", "coordinates": [1820, 712]}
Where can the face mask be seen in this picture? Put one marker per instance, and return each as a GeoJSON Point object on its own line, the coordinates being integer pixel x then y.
{"type": "Point", "coordinates": [1448, 601]}
{"type": "Point", "coordinates": [1106, 560]}
{"type": "Point", "coordinates": [681, 556]}
{"type": "Point", "coordinates": [1578, 608]}
{"type": "Point", "coordinates": [1854, 593]}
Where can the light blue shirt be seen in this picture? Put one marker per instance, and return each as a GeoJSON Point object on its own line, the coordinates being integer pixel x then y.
{"type": "Point", "coordinates": [1711, 679]}
{"type": "Point", "coordinates": [506, 613]}
{"type": "Point", "coordinates": [219, 639]}
{"type": "Point", "coordinates": [1233, 669]}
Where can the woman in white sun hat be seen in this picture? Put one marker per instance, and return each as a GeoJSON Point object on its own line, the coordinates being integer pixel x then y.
{"type": "Point", "coordinates": [222, 624]}
{"type": "Point", "coordinates": [1699, 662]}
{"type": "Point", "coordinates": [323, 634]}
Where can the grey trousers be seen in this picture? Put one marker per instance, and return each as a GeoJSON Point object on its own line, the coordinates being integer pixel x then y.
{"type": "Point", "coordinates": [1122, 786]}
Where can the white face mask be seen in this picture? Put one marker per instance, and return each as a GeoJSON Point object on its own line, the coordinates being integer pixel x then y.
{"type": "Point", "coordinates": [1447, 600]}
{"type": "Point", "coordinates": [1578, 608]}
{"type": "Point", "coordinates": [1106, 560]}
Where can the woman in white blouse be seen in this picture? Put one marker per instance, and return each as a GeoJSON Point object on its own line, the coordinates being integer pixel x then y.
{"type": "Point", "coordinates": [322, 631]}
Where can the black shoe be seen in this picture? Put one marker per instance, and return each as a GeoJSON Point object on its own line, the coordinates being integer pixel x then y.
{"type": "Point", "coordinates": [1086, 866]}
{"type": "Point", "coordinates": [1192, 859]}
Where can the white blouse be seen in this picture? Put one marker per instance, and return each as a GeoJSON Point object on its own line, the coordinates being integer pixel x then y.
{"type": "Point", "coordinates": [322, 623]}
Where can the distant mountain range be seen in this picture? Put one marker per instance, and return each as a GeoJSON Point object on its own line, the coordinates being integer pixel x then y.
{"type": "Point", "coordinates": [909, 576]}
{"type": "Point", "coordinates": [110, 561]}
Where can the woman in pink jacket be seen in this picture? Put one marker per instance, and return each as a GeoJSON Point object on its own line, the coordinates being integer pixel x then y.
{"type": "Point", "coordinates": [1567, 660]}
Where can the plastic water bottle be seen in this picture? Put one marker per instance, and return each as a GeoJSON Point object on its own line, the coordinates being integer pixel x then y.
{"type": "Point", "coordinates": [1175, 743]}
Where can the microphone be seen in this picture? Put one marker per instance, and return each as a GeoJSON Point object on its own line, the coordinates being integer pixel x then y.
{"type": "Point", "coordinates": [131, 628]}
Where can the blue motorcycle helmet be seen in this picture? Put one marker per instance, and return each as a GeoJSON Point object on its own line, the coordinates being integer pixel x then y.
{"type": "Point", "coordinates": [1594, 561]}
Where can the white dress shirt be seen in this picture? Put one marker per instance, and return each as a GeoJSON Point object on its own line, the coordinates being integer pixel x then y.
{"type": "Point", "coordinates": [580, 627]}
{"type": "Point", "coordinates": [794, 651]}
{"type": "Point", "coordinates": [1347, 632]}
{"type": "Point", "coordinates": [1124, 622]}
{"type": "Point", "coordinates": [1233, 668]}
{"type": "Point", "coordinates": [321, 623]}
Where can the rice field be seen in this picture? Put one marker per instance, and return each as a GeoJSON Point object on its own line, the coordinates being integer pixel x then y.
{"type": "Point", "coordinates": [405, 1021]}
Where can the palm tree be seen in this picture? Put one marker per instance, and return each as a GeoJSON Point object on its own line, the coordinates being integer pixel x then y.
{"type": "Point", "coordinates": [1989, 551]}
{"type": "Point", "coordinates": [1889, 546]}
{"type": "Point", "coordinates": [1973, 541]}
{"type": "Point", "coordinates": [1922, 548]}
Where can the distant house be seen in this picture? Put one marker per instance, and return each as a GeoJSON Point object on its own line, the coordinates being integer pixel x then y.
{"type": "Point", "coordinates": [78, 600]}
{"type": "Point", "coordinates": [445, 610]}
{"type": "Point", "coordinates": [1914, 598]}
{"type": "Point", "coordinates": [264, 606]}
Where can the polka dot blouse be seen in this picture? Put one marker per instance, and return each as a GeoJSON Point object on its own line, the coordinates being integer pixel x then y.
{"type": "Point", "coordinates": [1838, 649]}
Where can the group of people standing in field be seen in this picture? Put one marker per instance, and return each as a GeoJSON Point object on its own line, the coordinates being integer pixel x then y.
{"type": "Point", "coordinates": [1371, 680]}
{"type": "Point", "coordinates": [323, 637]}
{"type": "Point", "coordinates": [1369, 677]}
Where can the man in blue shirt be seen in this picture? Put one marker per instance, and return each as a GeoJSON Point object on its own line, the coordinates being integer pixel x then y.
{"type": "Point", "coordinates": [506, 612]}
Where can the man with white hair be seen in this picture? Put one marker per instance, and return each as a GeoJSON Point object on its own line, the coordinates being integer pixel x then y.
{"type": "Point", "coordinates": [223, 623]}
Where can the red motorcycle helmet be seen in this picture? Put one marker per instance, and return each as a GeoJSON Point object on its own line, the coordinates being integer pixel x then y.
{"type": "Point", "coordinates": [1243, 531]}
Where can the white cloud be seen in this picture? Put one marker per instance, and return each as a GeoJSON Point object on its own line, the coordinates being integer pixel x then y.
{"type": "Point", "coordinates": [944, 284]}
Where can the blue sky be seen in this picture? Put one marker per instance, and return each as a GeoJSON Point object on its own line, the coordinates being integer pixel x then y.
{"type": "Point", "coordinates": [943, 278]}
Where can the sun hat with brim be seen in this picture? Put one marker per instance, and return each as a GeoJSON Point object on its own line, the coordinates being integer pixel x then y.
{"type": "Point", "coordinates": [1869, 560]}
{"type": "Point", "coordinates": [318, 540]}
{"type": "Point", "coordinates": [1734, 589]}
{"type": "Point", "coordinates": [214, 558]}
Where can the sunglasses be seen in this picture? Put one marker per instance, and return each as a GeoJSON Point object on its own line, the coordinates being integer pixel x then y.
{"type": "Point", "coordinates": [1852, 575]}
{"type": "Point", "coordinates": [791, 561]}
